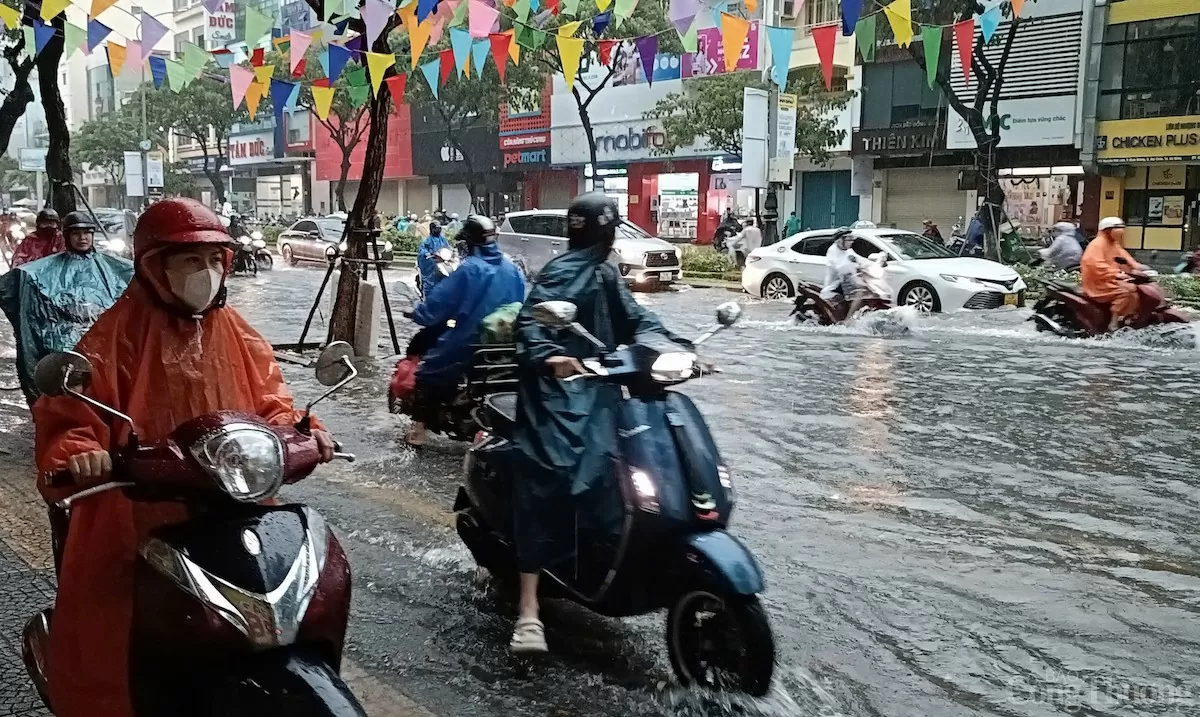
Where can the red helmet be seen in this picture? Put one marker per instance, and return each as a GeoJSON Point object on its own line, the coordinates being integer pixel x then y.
{"type": "Point", "coordinates": [177, 221]}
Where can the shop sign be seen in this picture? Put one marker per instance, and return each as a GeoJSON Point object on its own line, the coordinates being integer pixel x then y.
{"type": "Point", "coordinates": [785, 126]}
{"type": "Point", "coordinates": [251, 148]}
{"type": "Point", "coordinates": [619, 143]}
{"type": "Point", "coordinates": [631, 140]}
{"type": "Point", "coordinates": [219, 26]}
{"type": "Point", "coordinates": [1158, 139]}
{"type": "Point", "coordinates": [898, 141]}
{"type": "Point", "coordinates": [1030, 122]}
{"type": "Point", "coordinates": [525, 149]}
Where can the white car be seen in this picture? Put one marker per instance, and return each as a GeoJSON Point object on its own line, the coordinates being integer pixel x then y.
{"type": "Point", "coordinates": [922, 273]}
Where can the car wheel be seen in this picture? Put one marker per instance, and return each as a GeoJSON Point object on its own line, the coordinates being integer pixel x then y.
{"type": "Point", "coordinates": [922, 297]}
{"type": "Point", "coordinates": [288, 257]}
{"type": "Point", "coordinates": [777, 286]}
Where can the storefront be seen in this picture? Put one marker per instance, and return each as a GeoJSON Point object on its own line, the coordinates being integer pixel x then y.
{"type": "Point", "coordinates": [914, 177]}
{"type": "Point", "coordinates": [264, 181]}
{"type": "Point", "coordinates": [402, 192]}
{"type": "Point", "coordinates": [459, 164]}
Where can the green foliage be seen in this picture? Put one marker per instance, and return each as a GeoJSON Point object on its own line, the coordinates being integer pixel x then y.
{"type": "Point", "coordinates": [1184, 288]}
{"type": "Point", "coordinates": [705, 260]}
{"type": "Point", "coordinates": [271, 233]}
{"type": "Point", "coordinates": [712, 107]}
{"type": "Point", "coordinates": [177, 180]}
{"type": "Point", "coordinates": [202, 111]}
{"type": "Point", "coordinates": [403, 242]}
{"type": "Point", "coordinates": [102, 142]}
{"type": "Point", "coordinates": [1036, 278]}
{"type": "Point", "coordinates": [11, 176]}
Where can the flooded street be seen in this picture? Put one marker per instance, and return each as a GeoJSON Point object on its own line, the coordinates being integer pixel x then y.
{"type": "Point", "coordinates": [970, 519]}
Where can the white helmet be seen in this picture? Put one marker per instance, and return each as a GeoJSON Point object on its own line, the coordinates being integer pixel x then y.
{"type": "Point", "coordinates": [454, 216]}
{"type": "Point", "coordinates": [1111, 223]}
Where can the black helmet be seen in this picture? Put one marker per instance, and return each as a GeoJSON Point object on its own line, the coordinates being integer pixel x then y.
{"type": "Point", "coordinates": [78, 221]}
{"type": "Point", "coordinates": [47, 215]}
{"type": "Point", "coordinates": [434, 228]}
{"type": "Point", "coordinates": [478, 230]}
{"type": "Point", "coordinates": [592, 219]}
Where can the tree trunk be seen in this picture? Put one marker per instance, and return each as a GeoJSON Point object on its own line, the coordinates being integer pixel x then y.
{"type": "Point", "coordinates": [58, 157]}
{"type": "Point", "coordinates": [585, 118]}
{"type": "Point", "coordinates": [340, 190]}
{"type": "Point", "coordinates": [13, 107]}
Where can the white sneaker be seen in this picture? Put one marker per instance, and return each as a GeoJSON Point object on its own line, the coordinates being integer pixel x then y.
{"type": "Point", "coordinates": [529, 637]}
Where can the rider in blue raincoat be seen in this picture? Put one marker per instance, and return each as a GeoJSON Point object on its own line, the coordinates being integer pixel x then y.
{"type": "Point", "coordinates": [426, 258]}
{"type": "Point", "coordinates": [53, 301]}
{"type": "Point", "coordinates": [484, 282]}
{"type": "Point", "coordinates": [565, 432]}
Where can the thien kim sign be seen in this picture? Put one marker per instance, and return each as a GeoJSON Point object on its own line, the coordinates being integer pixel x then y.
{"type": "Point", "coordinates": [1160, 139]}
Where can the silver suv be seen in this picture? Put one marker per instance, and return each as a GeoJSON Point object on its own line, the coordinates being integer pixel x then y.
{"type": "Point", "coordinates": [537, 236]}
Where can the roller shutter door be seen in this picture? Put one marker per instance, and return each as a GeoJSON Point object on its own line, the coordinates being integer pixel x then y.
{"type": "Point", "coordinates": [914, 195]}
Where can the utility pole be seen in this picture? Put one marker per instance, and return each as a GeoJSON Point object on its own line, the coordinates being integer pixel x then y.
{"type": "Point", "coordinates": [770, 207]}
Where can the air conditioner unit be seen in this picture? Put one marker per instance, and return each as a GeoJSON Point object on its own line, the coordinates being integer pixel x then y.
{"type": "Point", "coordinates": [789, 10]}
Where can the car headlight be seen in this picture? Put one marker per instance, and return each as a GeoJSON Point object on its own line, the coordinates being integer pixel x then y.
{"type": "Point", "coordinates": [673, 367]}
{"type": "Point", "coordinates": [343, 246]}
{"type": "Point", "coordinates": [117, 245]}
{"type": "Point", "coordinates": [647, 492]}
{"type": "Point", "coordinates": [952, 278]}
{"type": "Point", "coordinates": [258, 243]}
{"type": "Point", "coordinates": [387, 246]}
{"type": "Point", "coordinates": [751, 259]}
{"type": "Point", "coordinates": [256, 235]}
{"type": "Point", "coordinates": [246, 460]}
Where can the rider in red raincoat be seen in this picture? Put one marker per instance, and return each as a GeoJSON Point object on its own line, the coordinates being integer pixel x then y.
{"type": "Point", "coordinates": [43, 242]}
{"type": "Point", "coordinates": [168, 351]}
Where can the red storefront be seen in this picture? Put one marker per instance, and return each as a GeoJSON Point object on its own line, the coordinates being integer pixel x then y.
{"type": "Point", "coordinates": [525, 151]}
{"type": "Point", "coordinates": [397, 168]}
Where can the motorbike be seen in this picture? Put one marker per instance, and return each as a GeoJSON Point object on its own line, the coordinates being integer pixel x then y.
{"type": "Point", "coordinates": [662, 542]}
{"type": "Point", "coordinates": [811, 306]}
{"type": "Point", "coordinates": [250, 254]}
{"type": "Point", "coordinates": [1066, 311]}
{"type": "Point", "coordinates": [241, 609]}
{"type": "Point", "coordinates": [447, 260]}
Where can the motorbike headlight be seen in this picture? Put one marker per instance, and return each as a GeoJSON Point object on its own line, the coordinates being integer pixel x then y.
{"type": "Point", "coordinates": [673, 367]}
{"type": "Point", "coordinates": [258, 243]}
{"type": "Point", "coordinates": [256, 235]}
{"type": "Point", "coordinates": [647, 492]}
{"type": "Point", "coordinates": [387, 246]}
{"type": "Point", "coordinates": [244, 240]}
{"type": "Point", "coordinates": [246, 460]}
{"type": "Point", "coordinates": [116, 245]}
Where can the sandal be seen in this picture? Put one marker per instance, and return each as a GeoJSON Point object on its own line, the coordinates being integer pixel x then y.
{"type": "Point", "coordinates": [529, 637]}
{"type": "Point", "coordinates": [415, 438]}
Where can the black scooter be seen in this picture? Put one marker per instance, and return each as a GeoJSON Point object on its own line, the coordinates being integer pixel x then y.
{"type": "Point", "coordinates": [662, 543]}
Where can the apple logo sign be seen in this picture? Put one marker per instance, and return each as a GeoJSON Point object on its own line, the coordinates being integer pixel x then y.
{"type": "Point", "coordinates": [449, 154]}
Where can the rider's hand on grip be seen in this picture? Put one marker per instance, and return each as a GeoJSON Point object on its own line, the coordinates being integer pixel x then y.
{"type": "Point", "coordinates": [564, 366]}
{"type": "Point", "coordinates": [90, 468]}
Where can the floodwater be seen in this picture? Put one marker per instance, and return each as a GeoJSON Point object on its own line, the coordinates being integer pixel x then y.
{"type": "Point", "coordinates": [955, 517]}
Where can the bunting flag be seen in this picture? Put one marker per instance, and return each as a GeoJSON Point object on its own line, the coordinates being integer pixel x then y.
{"type": "Point", "coordinates": [989, 21]}
{"type": "Point", "coordinates": [430, 71]}
{"type": "Point", "coordinates": [479, 55]}
{"type": "Point", "coordinates": [717, 9]}
{"type": "Point", "coordinates": [647, 48]}
{"type": "Point", "coordinates": [27, 36]}
{"type": "Point", "coordinates": [293, 97]}
{"type": "Point", "coordinates": [446, 58]}
{"type": "Point", "coordinates": [733, 35]}
{"type": "Point", "coordinates": [195, 59]}
{"type": "Point", "coordinates": [625, 8]}
{"type": "Point", "coordinates": [116, 58]}
{"type": "Point", "coordinates": [690, 42]}
{"type": "Point", "coordinates": [133, 55]}
{"type": "Point", "coordinates": [338, 57]}
{"type": "Point", "coordinates": [825, 37]}
{"type": "Point", "coordinates": [322, 99]}
{"type": "Point", "coordinates": [423, 9]}
{"type": "Point", "coordinates": [569, 7]}
{"type": "Point", "coordinates": [899, 15]}
{"type": "Point", "coordinates": [931, 44]}
{"type": "Point", "coordinates": [521, 8]}
{"type": "Point", "coordinates": [53, 8]}
{"type": "Point", "coordinates": [460, 13]}
{"type": "Point", "coordinates": [213, 6]}
{"type": "Point", "coordinates": [499, 42]}
{"type": "Point", "coordinates": [435, 30]}
{"type": "Point", "coordinates": [1017, 7]}
{"type": "Point", "coordinates": [606, 48]}
{"type": "Point", "coordinates": [73, 37]}
{"type": "Point", "coordinates": [375, 14]}
{"type": "Point", "coordinates": [357, 77]}
{"type": "Point", "coordinates": [253, 96]}
{"type": "Point", "coordinates": [568, 29]}
{"type": "Point", "coordinates": [514, 50]}
{"type": "Point", "coordinates": [323, 57]}
{"type": "Point", "coordinates": [964, 38]}
{"type": "Point", "coordinates": [779, 39]}
{"type": "Point", "coordinates": [96, 32]}
{"type": "Point", "coordinates": [600, 23]}
{"type": "Point", "coordinates": [239, 81]}
{"type": "Point", "coordinates": [483, 16]}
{"type": "Point", "coordinates": [152, 32]}
{"type": "Point", "coordinates": [570, 51]}
{"type": "Point", "coordinates": [256, 26]}
{"type": "Point", "coordinates": [397, 84]}
{"type": "Point", "coordinates": [176, 75]}
{"type": "Point", "coordinates": [12, 18]}
{"type": "Point", "coordinates": [298, 46]}
{"type": "Point", "coordinates": [552, 6]}
{"type": "Point", "coordinates": [864, 34]}
{"type": "Point", "coordinates": [99, 6]}
{"type": "Point", "coordinates": [263, 74]}
{"type": "Point", "coordinates": [358, 95]}
{"type": "Point", "coordinates": [378, 63]}
{"type": "Point", "coordinates": [418, 34]}
{"type": "Point", "coordinates": [42, 34]}
{"type": "Point", "coordinates": [258, 57]}
{"type": "Point", "coordinates": [682, 14]}
{"type": "Point", "coordinates": [851, 9]}
{"type": "Point", "coordinates": [752, 6]}
{"type": "Point", "coordinates": [158, 71]}
{"type": "Point", "coordinates": [460, 43]}
{"type": "Point", "coordinates": [281, 90]}
{"type": "Point", "coordinates": [603, 5]}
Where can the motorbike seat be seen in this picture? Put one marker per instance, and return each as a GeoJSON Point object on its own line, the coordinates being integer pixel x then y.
{"type": "Point", "coordinates": [1067, 287]}
{"type": "Point", "coordinates": [501, 409]}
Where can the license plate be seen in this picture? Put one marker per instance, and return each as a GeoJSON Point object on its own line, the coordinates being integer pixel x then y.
{"type": "Point", "coordinates": [666, 276]}
{"type": "Point", "coordinates": [1010, 299]}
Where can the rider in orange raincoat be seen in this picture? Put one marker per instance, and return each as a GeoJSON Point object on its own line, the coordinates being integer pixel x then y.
{"type": "Point", "coordinates": [168, 351]}
{"type": "Point", "coordinates": [1103, 278]}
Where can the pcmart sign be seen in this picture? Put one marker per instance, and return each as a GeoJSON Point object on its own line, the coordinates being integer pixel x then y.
{"type": "Point", "coordinates": [1031, 122]}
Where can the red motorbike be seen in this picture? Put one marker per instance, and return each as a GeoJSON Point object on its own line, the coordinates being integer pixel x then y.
{"type": "Point", "coordinates": [1065, 310]}
{"type": "Point", "coordinates": [242, 609]}
{"type": "Point", "coordinates": [812, 307]}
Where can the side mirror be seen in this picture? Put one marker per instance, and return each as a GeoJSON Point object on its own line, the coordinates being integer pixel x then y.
{"type": "Point", "coordinates": [61, 373]}
{"type": "Point", "coordinates": [729, 313]}
{"type": "Point", "coordinates": [334, 364]}
{"type": "Point", "coordinates": [555, 314]}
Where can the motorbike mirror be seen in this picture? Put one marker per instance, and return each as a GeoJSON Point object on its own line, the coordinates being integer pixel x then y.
{"type": "Point", "coordinates": [555, 314]}
{"type": "Point", "coordinates": [729, 313]}
{"type": "Point", "coordinates": [62, 372]}
{"type": "Point", "coordinates": [334, 365]}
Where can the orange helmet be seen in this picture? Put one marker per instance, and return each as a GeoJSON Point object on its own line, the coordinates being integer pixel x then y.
{"type": "Point", "coordinates": [177, 221]}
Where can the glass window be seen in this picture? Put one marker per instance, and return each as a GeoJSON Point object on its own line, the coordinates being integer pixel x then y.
{"type": "Point", "coordinates": [1115, 33]}
{"type": "Point", "coordinates": [629, 230]}
{"type": "Point", "coordinates": [821, 12]}
{"type": "Point", "coordinates": [864, 247]}
{"type": "Point", "coordinates": [915, 246]}
{"type": "Point", "coordinates": [332, 229]}
{"type": "Point", "coordinates": [1112, 67]}
{"type": "Point", "coordinates": [877, 96]}
{"type": "Point", "coordinates": [304, 226]}
{"type": "Point", "coordinates": [519, 225]}
{"type": "Point", "coordinates": [816, 246]}
{"type": "Point", "coordinates": [1109, 106]}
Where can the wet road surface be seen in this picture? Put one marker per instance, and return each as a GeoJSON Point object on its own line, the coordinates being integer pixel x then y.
{"type": "Point", "coordinates": [970, 519]}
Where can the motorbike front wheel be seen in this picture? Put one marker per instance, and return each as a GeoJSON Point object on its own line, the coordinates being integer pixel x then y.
{"type": "Point", "coordinates": [265, 261]}
{"type": "Point", "coordinates": [721, 642]}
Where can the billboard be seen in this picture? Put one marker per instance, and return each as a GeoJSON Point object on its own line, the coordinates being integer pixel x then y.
{"type": "Point", "coordinates": [219, 26]}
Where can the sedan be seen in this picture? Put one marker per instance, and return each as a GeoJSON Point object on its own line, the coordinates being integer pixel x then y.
{"type": "Point", "coordinates": [923, 274]}
{"type": "Point", "coordinates": [320, 240]}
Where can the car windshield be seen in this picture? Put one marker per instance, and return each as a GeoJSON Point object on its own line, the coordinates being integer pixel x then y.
{"type": "Point", "coordinates": [914, 246]}
{"type": "Point", "coordinates": [628, 230]}
{"type": "Point", "coordinates": [332, 228]}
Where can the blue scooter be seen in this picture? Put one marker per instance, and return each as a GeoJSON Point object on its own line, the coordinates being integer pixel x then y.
{"type": "Point", "coordinates": [662, 542]}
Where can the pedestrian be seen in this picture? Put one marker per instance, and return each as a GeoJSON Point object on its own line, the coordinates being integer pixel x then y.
{"type": "Point", "coordinates": [791, 226]}
{"type": "Point", "coordinates": [741, 244]}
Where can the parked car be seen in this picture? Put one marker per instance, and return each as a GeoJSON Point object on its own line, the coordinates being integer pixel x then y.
{"type": "Point", "coordinates": [923, 274]}
{"type": "Point", "coordinates": [535, 237]}
{"type": "Point", "coordinates": [320, 239]}
{"type": "Point", "coordinates": [117, 237]}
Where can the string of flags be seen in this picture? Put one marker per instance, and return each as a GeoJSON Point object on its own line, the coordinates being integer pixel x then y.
{"type": "Point", "coordinates": [473, 30]}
